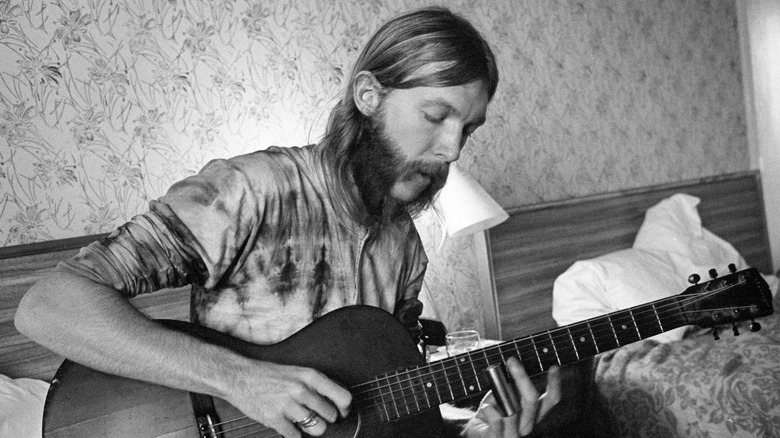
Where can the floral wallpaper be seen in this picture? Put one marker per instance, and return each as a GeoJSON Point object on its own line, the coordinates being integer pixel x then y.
{"type": "Point", "coordinates": [106, 103]}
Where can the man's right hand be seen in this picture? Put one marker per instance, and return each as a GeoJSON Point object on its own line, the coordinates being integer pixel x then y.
{"type": "Point", "coordinates": [94, 325]}
{"type": "Point", "coordinates": [280, 396]}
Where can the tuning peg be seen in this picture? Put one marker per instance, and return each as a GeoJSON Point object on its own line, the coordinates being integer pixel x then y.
{"type": "Point", "coordinates": [754, 326]}
{"type": "Point", "coordinates": [713, 274]}
{"type": "Point", "coordinates": [715, 334]}
{"type": "Point", "coordinates": [732, 268]}
{"type": "Point", "coordinates": [693, 278]}
{"type": "Point", "coordinates": [735, 329]}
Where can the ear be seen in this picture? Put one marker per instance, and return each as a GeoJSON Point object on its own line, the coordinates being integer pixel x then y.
{"type": "Point", "coordinates": [367, 92]}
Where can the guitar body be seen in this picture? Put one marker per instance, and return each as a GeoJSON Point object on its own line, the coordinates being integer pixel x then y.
{"type": "Point", "coordinates": [350, 345]}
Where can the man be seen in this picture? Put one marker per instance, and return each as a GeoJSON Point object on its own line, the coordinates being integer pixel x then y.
{"type": "Point", "coordinates": [272, 240]}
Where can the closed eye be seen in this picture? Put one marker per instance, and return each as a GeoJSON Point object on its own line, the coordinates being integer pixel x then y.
{"type": "Point", "coordinates": [434, 118]}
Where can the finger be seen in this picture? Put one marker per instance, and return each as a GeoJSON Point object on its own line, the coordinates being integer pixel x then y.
{"type": "Point", "coordinates": [287, 428]}
{"type": "Point", "coordinates": [529, 396]}
{"type": "Point", "coordinates": [319, 405]}
{"type": "Point", "coordinates": [311, 423]}
{"type": "Point", "coordinates": [552, 394]}
{"type": "Point", "coordinates": [337, 394]}
{"type": "Point", "coordinates": [493, 418]}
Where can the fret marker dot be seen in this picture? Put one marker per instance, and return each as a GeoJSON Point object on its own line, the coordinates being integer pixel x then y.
{"type": "Point", "coordinates": [623, 326]}
{"type": "Point", "coordinates": [545, 350]}
{"type": "Point", "coordinates": [582, 338]}
{"type": "Point", "coordinates": [429, 385]}
{"type": "Point", "coordinates": [471, 388]}
{"type": "Point", "coordinates": [463, 359]}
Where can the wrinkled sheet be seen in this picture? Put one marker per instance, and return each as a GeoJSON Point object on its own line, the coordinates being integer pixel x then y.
{"type": "Point", "coordinates": [695, 387]}
{"type": "Point", "coordinates": [21, 407]}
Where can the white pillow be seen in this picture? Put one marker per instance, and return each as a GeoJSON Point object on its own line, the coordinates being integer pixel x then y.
{"type": "Point", "coordinates": [671, 244]}
{"type": "Point", "coordinates": [673, 226]}
{"type": "Point", "coordinates": [21, 407]}
{"type": "Point", "coordinates": [616, 281]}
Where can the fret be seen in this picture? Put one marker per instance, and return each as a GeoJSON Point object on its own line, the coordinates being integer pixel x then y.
{"type": "Point", "coordinates": [555, 349]}
{"type": "Point", "coordinates": [647, 322]}
{"type": "Point", "coordinates": [592, 336]}
{"type": "Point", "coordinates": [583, 339]}
{"type": "Point", "coordinates": [630, 312]}
{"type": "Point", "coordinates": [674, 318]}
{"type": "Point", "coordinates": [458, 361]}
{"type": "Point", "coordinates": [565, 349]}
{"type": "Point", "coordinates": [531, 366]}
{"type": "Point", "coordinates": [669, 313]}
{"type": "Point", "coordinates": [477, 368]}
{"type": "Point", "coordinates": [410, 388]}
{"type": "Point", "coordinates": [536, 351]}
{"type": "Point", "coordinates": [505, 352]}
{"type": "Point", "coordinates": [383, 404]}
{"type": "Point", "coordinates": [419, 382]}
{"type": "Point", "coordinates": [392, 397]}
{"type": "Point", "coordinates": [435, 380]}
{"type": "Point", "coordinates": [545, 352]}
{"type": "Point", "coordinates": [606, 334]}
{"type": "Point", "coordinates": [447, 364]}
{"type": "Point", "coordinates": [517, 353]}
{"type": "Point", "coordinates": [614, 333]}
{"type": "Point", "coordinates": [657, 318]}
{"type": "Point", "coordinates": [471, 383]}
{"type": "Point", "coordinates": [625, 328]}
{"type": "Point", "coordinates": [573, 344]}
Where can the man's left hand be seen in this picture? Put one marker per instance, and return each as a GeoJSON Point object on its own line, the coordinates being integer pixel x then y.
{"type": "Point", "coordinates": [489, 421]}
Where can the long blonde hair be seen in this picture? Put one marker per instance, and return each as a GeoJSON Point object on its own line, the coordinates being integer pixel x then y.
{"type": "Point", "coordinates": [433, 35]}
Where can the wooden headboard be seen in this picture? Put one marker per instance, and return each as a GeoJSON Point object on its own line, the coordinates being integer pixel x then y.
{"type": "Point", "coordinates": [23, 265]}
{"type": "Point", "coordinates": [539, 242]}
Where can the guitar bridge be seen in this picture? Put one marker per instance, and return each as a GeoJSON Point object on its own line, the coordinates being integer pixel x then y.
{"type": "Point", "coordinates": [205, 416]}
{"type": "Point", "coordinates": [206, 426]}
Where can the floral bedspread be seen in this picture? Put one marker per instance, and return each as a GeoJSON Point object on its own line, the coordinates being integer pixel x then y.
{"type": "Point", "coordinates": [695, 387]}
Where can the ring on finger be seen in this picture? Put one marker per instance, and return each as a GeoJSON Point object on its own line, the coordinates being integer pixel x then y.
{"type": "Point", "coordinates": [309, 421]}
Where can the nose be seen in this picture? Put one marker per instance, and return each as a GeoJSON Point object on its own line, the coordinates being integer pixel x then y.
{"type": "Point", "coordinates": [450, 145]}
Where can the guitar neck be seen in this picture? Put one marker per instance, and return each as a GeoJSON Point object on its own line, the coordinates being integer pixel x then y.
{"type": "Point", "coordinates": [409, 391]}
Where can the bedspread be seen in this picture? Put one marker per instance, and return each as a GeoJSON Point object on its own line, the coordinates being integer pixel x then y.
{"type": "Point", "coordinates": [695, 387]}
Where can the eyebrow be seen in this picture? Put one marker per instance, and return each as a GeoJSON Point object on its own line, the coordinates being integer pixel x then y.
{"type": "Point", "coordinates": [441, 102]}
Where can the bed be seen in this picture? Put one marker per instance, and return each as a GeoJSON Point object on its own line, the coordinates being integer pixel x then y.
{"type": "Point", "coordinates": [691, 387]}
{"type": "Point", "coordinates": [685, 385]}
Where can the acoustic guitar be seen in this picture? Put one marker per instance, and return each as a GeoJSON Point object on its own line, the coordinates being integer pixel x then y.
{"type": "Point", "coordinates": [395, 393]}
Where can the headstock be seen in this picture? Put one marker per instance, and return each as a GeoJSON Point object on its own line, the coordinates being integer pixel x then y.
{"type": "Point", "coordinates": [735, 297]}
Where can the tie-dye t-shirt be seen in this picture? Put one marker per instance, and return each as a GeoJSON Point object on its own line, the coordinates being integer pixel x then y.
{"type": "Point", "coordinates": [262, 241]}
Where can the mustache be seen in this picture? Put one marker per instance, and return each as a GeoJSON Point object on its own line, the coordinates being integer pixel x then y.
{"type": "Point", "coordinates": [435, 170]}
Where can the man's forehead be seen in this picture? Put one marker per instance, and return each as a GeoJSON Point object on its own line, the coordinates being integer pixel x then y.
{"type": "Point", "coordinates": [467, 99]}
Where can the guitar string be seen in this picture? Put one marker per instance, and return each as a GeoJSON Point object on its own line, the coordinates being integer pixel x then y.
{"type": "Point", "coordinates": [364, 419]}
{"type": "Point", "coordinates": [398, 383]}
{"type": "Point", "coordinates": [485, 352]}
{"type": "Point", "coordinates": [396, 386]}
{"type": "Point", "coordinates": [563, 332]}
{"type": "Point", "coordinates": [252, 424]}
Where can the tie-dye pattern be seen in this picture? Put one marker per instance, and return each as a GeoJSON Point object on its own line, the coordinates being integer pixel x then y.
{"type": "Point", "coordinates": [259, 239]}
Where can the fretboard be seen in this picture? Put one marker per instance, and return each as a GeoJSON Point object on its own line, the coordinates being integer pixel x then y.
{"type": "Point", "coordinates": [412, 390]}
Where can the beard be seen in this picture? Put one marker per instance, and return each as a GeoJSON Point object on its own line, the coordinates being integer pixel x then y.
{"type": "Point", "coordinates": [377, 165]}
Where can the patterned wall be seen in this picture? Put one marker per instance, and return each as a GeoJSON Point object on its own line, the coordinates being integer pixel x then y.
{"type": "Point", "coordinates": [105, 103]}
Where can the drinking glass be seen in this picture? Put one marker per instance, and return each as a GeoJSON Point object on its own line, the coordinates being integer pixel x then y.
{"type": "Point", "coordinates": [462, 341]}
